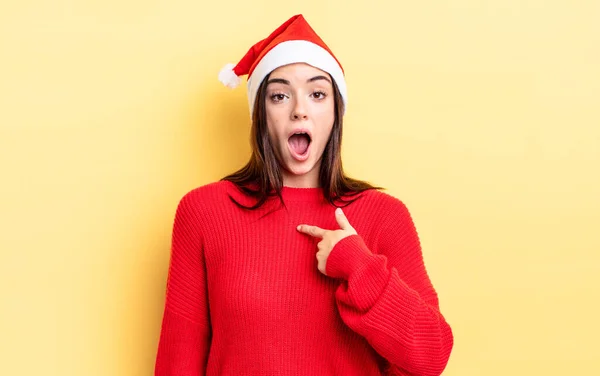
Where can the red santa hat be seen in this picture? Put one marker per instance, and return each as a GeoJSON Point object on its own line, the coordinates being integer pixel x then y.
{"type": "Point", "coordinates": [292, 42]}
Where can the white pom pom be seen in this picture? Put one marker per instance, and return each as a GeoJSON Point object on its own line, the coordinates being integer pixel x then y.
{"type": "Point", "coordinates": [228, 77]}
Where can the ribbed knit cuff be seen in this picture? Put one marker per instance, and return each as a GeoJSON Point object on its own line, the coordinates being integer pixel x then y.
{"type": "Point", "coordinates": [347, 256]}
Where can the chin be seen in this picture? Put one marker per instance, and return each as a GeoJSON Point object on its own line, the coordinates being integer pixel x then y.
{"type": "Point", "coordinates": [303, 169]}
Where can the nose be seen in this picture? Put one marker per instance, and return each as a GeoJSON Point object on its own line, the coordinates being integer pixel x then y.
{"type": "Point", "coordinates": [299, 111]}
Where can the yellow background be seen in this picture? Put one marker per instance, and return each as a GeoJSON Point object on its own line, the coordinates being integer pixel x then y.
{"type": "Point", "coordinates": [483, 116]}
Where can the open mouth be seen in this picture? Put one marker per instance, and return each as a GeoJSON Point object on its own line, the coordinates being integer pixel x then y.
{"type": "Point", "coordinates": [299, 143]}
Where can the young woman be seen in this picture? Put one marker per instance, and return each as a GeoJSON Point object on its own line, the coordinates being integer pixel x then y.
{"type": "Point", "coordinates": [268, 274]}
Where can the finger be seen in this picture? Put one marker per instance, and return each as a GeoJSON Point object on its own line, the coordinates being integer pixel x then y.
{"type": "Point", "coordinates": [321, 245]}
{"type": "Point", "coordinates": [342, 220]}
{"type": "Point", "coordinates": [321, 262]}
{"type": "Point", "coordinates": [312, 230]}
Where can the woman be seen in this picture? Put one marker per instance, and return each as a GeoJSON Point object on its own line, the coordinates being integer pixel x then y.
{"type": "Point", "coordinates": [267, 276]}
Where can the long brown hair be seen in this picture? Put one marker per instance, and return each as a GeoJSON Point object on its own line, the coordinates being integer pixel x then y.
{"type": "Point", "coordinates": [261, 176]}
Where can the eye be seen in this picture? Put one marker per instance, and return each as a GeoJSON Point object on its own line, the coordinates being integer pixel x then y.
{"type": "Point", "coordinates": [277, 97]}
{"type": "Point", "coordinates": [319, 95]}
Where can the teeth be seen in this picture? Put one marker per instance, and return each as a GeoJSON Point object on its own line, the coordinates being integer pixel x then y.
{"type": "Point", "coordinates": [302, 133]}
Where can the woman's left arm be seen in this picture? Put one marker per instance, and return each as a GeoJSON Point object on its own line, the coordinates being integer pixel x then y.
{"type": "Point", "coordinates": [387, 296]}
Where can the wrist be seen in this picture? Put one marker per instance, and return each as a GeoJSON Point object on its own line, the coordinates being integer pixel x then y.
{"type": "Point", "coordinates": [347, 256]}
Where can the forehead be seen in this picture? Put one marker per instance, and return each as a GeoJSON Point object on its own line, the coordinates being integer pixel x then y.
{"type": "Point", "coordinates": [300, 71]}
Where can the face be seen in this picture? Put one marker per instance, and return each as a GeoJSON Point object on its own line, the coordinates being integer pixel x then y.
{"type": "Point", "coordinates": [300, 114]}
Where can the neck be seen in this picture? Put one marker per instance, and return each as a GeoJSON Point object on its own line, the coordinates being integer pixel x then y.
{"type": "Point", "coordinates": [308, 180]}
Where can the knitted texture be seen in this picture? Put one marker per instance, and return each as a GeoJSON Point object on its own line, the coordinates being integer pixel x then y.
{"type": "Point", "coordinates": [244, 295]}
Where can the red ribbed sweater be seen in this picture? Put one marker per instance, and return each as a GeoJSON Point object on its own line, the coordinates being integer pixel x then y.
{"type": "Point", "coordinates": [244, 295]}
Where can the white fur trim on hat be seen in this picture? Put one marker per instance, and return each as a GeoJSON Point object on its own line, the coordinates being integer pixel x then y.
{"type": "Point", "coordinates": [295, 51]}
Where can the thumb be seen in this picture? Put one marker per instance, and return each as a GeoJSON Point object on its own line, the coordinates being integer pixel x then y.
{"type": "Point", "coordinates": [342, 220]}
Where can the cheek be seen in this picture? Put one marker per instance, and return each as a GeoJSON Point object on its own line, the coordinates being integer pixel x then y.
{"type": "Point", "coordinates": [324, 136]}
{"type": "Point", "coordinates": [324, 122]}
{"type": "Point", "coordinates": [325, 112]}
{"type": "Point", "coordinates": [273, 128]}
{"type": "Point", "coordinates": [274, 121]}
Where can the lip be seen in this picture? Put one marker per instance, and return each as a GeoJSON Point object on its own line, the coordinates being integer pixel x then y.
{"type": "Point", "coordinates": [296, 156]}
{"type": "Point", "coordinates": [300, 130]}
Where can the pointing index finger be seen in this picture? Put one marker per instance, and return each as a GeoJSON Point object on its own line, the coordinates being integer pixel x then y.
{"type": "Point", "coordinates": [311, 230]}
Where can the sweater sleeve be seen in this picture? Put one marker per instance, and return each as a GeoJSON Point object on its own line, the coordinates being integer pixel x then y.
{"type": "Point", "coordinates": [388, 298]}
{"type": "Point", "coordinates": [185, 333]}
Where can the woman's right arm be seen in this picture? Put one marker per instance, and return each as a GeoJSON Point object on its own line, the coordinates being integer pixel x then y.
{"type": "Point", "coordinates": [185, 333]}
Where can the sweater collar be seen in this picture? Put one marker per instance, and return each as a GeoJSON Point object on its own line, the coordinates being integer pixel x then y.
{"type": "Point", "coordinates": [302, 194]}
{"type": "Point", "coordinates": [289, 194]}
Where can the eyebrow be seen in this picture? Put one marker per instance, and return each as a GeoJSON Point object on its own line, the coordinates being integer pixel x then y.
{"type": "Point", "coordinates": [317, 78]}
{"type": "Point", "coordinates": [286, 82]}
